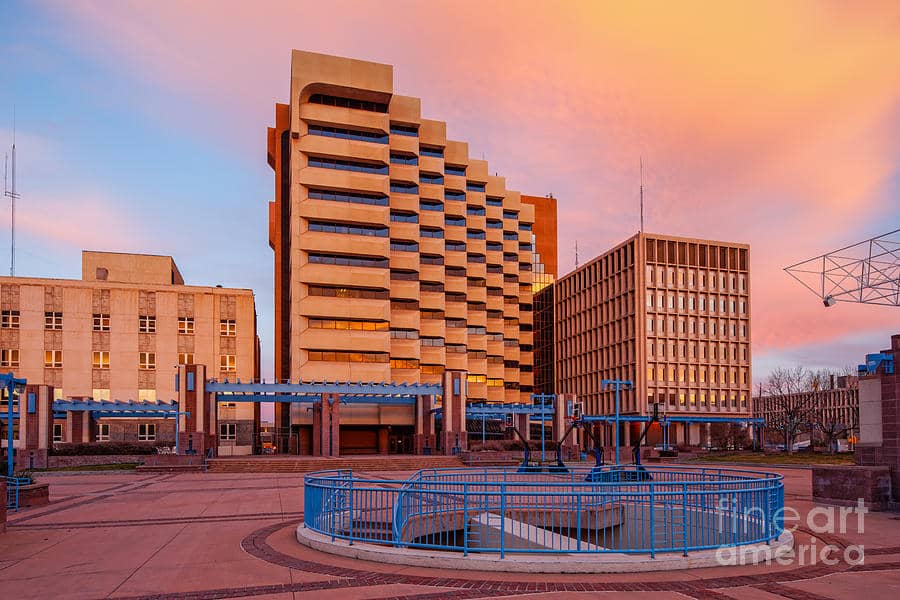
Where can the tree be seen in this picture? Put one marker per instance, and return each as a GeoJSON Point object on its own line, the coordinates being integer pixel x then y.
{"type": "Point", "coordinates": [791, 409]}
{"type": "Point", "coordinates": [832, 430]}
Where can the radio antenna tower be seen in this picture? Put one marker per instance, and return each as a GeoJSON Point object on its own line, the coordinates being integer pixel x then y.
{"type": "Point", "coordinates": [10, 192]}
{"type": "Point", "coordinates": [576, 254]}
{"type": "Point", "coordinates": [641, 159]}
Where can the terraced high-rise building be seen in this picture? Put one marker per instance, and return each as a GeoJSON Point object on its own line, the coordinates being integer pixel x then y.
{"type": "Point", "coordinates": [397, 255]}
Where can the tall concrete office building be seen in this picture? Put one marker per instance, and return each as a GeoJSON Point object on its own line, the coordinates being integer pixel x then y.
{"type": "Point", "coordinates": [120, 331]}
{"type": "Point", "coordinates": [398, 257]}
{"type": "Point", "coordinates": [671, 315]}
{"type": "Point", "coordinates": [546, 270]}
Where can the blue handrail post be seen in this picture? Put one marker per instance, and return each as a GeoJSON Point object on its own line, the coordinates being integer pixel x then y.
{"type": "Point", "coordinates": [351, 509]}
{"type": "Point", "coordinates": [502, 520]}
{"type": "Point", "coordinates": [578, 508]}
{"type": "Point", "coordinates": [465, 519]}
{"type": "Point", "coordinates": [684, 526]}
{"type": "Point", "coordinates": [652, 528]}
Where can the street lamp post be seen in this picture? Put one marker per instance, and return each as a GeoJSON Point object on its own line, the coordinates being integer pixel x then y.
{"type": "Point", "coordinates": [618, 383]}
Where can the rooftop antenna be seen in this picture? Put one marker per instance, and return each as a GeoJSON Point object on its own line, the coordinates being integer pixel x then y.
{"type": "Point", "coordinates": [10, 192]}
{"type": "Point", "coordinates": [642, 192]}
{"type": "Point", "coordinates": [576, 254]}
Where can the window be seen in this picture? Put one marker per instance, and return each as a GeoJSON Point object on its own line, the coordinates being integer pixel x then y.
{"type": "Point", "coordinates": [356, 166]}
{"type": "Point", "coordinates": [455, 170]}
{"type": "Point", "coordinates": [404, 217]}
{"type": "Point", "coordinates": [101, 322]}
{"type": "Point", "coordinates": [431, 232]}
{"type": "Point", "coordinates": [435, 205]}
{"type": "Point", "coordinates": [452, 246]}
{"type": "Point", "coordinates": [476, 258]}
{"type": "Point", "coordinates": [405, 334]}
{"type": "Point", "coordinates": [348, 103]}
{"type": "Point", "coordinates": [404, 246]}
{"type": "Point", "coordinates": [9, 358]}
{"type": "Point", "coordinates": [404, 363]}
{"type": "Point", "coordinates": [186, 358]}
{"type": "Point", "coordinates": [431, 151]}
{"type": "Point", "coordinates": [351, 197]}
{"type": "Point", "coordinates": [147, 324]}
{"type": "Point", "coordinates": [103, 432]}
{"type": "Point", "coordinates": [454, 195]}
{"type": "Point", "coordinates": [101, 360]}
{"type": "Point", "coordinates": [403, 187]}
{"type": "Point", "coordinates": [228, 431]}
{"type": "Point", "coordinates": [430, 259]}
{"type": "Point", "coordinates": [476, 378]}
{"type": "Point", "coordinates": [227, 327]}
{"type": "Point", "coordinates": [433, 178]}
{"type": "Point", "coordinates": [348, 325]}
{"type": "Point", "coordinates": [147, 432]}
{"type": "Point", "coordinates": [454, 221]}
{"type": "Point", "coordinates": [477, 211]}
{"type": "Point", "coordinates": [495, 224]}
{"type": "Point", "coordinates": [348, 292]}
{"type": "Point", "coordinates": [53, 320]}
{"type": "Point", "coordinates": [475, 186]}
{"type": "Point", "coordinates": [53, 358]}
{"type": "Point", "coordinates": [227, 363]}
{"type": "Point", "coordinates": [398, 158]}
{"type": "Point", "coordinates": [186, 325]}
{"type": "Point", "coordinates": [344, 356]}
{"type": "Point", "coordinates": [407, 130]}
{"type": "Point", "coordinates": [524, 226]}
{"type": "Point", "coordinates": [329, 227]}
{"type": "Point", "coordinates": [10, 319]}
{"type": "Point", "coordinates": [147, 360]}
{"type": "Point", "coordinates": [494, 201]}
{"type": "Point", "coordinates": [57, 432]}
{"type": "Point", "coordinates": [379, 137]}
{"type": "Point", "coordinates": [475, 234]}
{"type": "Point", "coordinates": [510, 214]}
{"type": "Point", "coordinates": [348, 260]}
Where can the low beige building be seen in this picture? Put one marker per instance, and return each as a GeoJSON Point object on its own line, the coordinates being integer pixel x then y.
{"type": "Point", "coordinates": [119, 333]}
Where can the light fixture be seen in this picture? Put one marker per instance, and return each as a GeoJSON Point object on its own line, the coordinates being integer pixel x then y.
{"type": "Point", "coordinates": [829, 301]}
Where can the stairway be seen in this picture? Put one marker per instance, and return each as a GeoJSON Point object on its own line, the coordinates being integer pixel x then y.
{"type": "Point", "coordinates": [306, 464]}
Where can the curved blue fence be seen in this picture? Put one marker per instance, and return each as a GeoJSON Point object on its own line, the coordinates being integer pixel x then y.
{"type": "Point", "coordinates": [501, 511]}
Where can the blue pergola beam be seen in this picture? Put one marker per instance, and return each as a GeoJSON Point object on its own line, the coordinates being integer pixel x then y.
{"type": "Point", "coordinates": [310, 398]}
{"type": "Point", "coordinates": [508, 409]}
{"type": "Point", "coordinates": [116, 406]}
{"type": "Point", "coordinates": [329, 387]}
{"type": "Point", "coordinates": [672, 419]}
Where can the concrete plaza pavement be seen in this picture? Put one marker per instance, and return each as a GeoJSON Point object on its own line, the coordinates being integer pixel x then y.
{"type": "Point", "coordinates": [223, 535]}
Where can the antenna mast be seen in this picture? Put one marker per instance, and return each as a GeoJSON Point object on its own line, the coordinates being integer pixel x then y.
{"type": "Point", "coordinates": [13, 196]}
{"type": "Point", "coordinates": [642, 193]}
{"type": "Point", "coordinates": [576, 254]}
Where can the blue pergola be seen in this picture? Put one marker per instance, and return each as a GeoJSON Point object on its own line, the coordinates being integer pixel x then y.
{"type": "Point", "coordinates": [666, 420]}
{"type": "Point", "coordinates": [402, 394]}
{"type": "Point", "coordinates": [117, 408]}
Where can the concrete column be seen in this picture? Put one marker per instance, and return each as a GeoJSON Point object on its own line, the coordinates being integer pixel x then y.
{"type": "Point", "coordinates": [317, 428]}
{"type": "Point", "coordinates": [523, 424]}
{"type": "Point", "coordinates": [335, 421]}
{"type": "Point", "coordinates": [383, 439]}
{"type": "Point", "coordinates": [424, 433]}
{"type": "Point", "coordinates": [454, 412]}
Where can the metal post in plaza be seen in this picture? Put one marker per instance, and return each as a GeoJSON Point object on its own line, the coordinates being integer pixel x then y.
{"type": "Point", "coordinates": [618, 383]}
{"type": "Point", "coordinates": [542, 399]}
{"type": "Point", "coordinates": [10, 383]}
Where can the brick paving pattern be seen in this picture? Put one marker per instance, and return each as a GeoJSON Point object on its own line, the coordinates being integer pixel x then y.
{"type": "Point", "coordinates": [203, 536]}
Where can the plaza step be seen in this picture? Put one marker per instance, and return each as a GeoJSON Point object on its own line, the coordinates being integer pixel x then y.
{"type": "Point", "coordinates": [307, 464]}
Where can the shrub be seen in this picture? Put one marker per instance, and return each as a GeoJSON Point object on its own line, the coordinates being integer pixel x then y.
{"type": "Point", "coordinates": [105, 448]}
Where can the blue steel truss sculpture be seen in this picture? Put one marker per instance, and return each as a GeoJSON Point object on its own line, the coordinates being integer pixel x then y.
{"type": "Point", "coordinates": [866, 273]}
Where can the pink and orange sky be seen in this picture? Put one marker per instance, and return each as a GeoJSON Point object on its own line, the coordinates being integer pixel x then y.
{"type": "Point", "coordinates": [141, 127]}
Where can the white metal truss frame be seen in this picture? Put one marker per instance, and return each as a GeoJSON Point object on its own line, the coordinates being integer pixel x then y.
{"type": "Point", "coordinates": [867, 272]}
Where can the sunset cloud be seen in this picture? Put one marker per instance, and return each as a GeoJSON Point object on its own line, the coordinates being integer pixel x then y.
{"type": "Point", "coordinates": [772, 123]}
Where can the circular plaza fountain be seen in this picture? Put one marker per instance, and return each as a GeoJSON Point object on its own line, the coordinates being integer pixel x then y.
{"type": "Point", "coordinates": [602, 519]}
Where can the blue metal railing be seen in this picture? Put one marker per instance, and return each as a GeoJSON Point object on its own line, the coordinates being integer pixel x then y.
{"type": "Point", "coordinates": [12, 491]}
{"type": "Point", "coordinates": [502, 511]}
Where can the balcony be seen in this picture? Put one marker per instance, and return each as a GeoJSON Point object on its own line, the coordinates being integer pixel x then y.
{"type": "Point", "coordinates": [322, 113]}
{"type": "Point", "coordinates": [433, 355]}
{"type": "Point", "coordinates": [343, 211]}
{"type": "Point", "coordinates": [404, 231]}
{"type": "Point", "coordinates": [455, 284]}
{"type": "Point", "coordinates": [476, 294]}
{"type": "Point", "coordinates": [407, 202]}
{"type": "Point", "coordinates": [455, 259]}
{"type": "Point", "coordinates": [431, 246]}
{"type": "Point", "coordinates": [341, 148]}
{"type": "Point", "coordinates": [430, 218]}
{"type": "Point", "coordinates": [432, 328]}
{"type": "Point", "coordinates": [456, 361]}
{"type": "Point", "coordinates": [455, 335]}
{"type": "Point", "coordinates": [355, 308]}
{"type": "Point", "coordinates": [407, 261]}
{"type": "Point", "coordinates": [456, 310]}
{"type": "Point", "coordinates": [432, 300]}
{"type": "Point", "coordinates": [405, 319]}
{"type": "Point", "coordinates": [343, 180]}
{"type": "Point", "coordinates": [404, 143]}
{"type": "Point", "coordinates": [344, 276]}
{"type": "Point", "coordinates": [340, 339]}
{"type": "Point", "coordinates": [406, 290]}
{"type": "Point", "coordinates": [403, 348]}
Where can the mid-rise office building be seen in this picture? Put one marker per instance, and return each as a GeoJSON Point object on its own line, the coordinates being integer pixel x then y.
{"type": "Point", "coordinates": [546, 270]}
{"type": "Point", "coordinates": [119, 332]}
{"type": "Point", "coordinates": [397, 255]}
{"type": "Point", "coordinates": [669, 314]}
